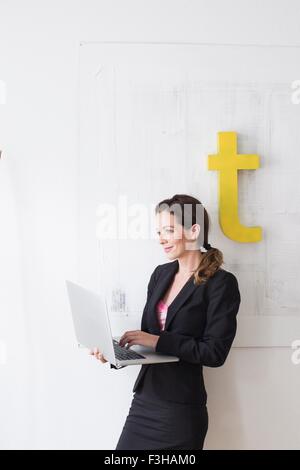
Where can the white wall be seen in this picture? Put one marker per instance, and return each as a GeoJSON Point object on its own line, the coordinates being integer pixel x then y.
{"type": "Point", "coordinates": [53, 396]}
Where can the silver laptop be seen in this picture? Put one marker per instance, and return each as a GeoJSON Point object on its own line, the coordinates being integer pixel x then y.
{"type": "Point", "coordinates": [92, 329]}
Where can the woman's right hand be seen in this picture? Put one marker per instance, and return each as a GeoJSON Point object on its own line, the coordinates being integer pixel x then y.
{"type": "Point", "coordinates": [98, 355]}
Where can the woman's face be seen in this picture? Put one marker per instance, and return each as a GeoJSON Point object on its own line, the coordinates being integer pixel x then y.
{"type": "Point", "coordinates": [173, 237]}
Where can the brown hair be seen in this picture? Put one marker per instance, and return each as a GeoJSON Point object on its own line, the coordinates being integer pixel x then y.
{"type": "Point", "coordinates": [186, 210]}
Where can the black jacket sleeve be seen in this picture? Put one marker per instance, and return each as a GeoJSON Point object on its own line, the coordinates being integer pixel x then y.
{"type": "Point", "coordinates": [151, 284]}
{"type": "Point", "coordinates": [213, 347]}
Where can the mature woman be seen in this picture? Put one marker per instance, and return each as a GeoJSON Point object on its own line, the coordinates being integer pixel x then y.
{"type": "Point", "coordinates": [190, 312]}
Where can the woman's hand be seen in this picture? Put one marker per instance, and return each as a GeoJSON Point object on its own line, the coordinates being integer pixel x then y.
{"type": "Point", "coordinates": [138, 337]}
{"type": "Point", "coordinates": [98, 355]}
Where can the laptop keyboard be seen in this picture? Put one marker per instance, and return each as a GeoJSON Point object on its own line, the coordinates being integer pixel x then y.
{"type": "Point", "coordinates": [124, 354]}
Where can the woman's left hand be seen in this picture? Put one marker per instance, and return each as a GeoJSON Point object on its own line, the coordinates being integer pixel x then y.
{"type": "Point", "coordinates": [138, 337]}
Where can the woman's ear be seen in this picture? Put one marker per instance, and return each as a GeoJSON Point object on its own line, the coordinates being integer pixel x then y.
{"type": "Point", "coordinates": [195, 231]}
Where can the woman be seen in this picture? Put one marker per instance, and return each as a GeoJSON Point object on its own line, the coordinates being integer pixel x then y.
{"type": "Point", "coordinates": [190, 312]}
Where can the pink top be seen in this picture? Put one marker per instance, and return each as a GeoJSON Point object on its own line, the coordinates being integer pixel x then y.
{"type": "Point", "coordinates": [162, 309]}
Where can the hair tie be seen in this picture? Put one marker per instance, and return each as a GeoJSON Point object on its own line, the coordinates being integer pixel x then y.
{"type": "Point", "coordinates": [207, 246]}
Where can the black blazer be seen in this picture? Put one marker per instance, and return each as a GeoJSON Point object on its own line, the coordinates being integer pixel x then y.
{"type": "Point", "coordinates": [200, 328]}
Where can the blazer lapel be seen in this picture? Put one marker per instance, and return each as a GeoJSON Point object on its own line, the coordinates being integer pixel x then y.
{"type": "Point", "coordinates": [161, 287]}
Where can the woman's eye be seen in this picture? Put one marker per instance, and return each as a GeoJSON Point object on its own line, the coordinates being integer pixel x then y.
{"type": "Point", "coordinates": [169, 230]}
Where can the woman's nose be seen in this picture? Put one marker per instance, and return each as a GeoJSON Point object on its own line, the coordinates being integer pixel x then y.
{"type": "Point", "coordinates": [162, 239]}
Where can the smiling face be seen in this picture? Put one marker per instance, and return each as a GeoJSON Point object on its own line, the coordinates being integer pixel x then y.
{"type": "Point", "coordinates": [173, 237]}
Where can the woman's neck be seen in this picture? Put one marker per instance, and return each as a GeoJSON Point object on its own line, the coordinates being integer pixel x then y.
{"type": "Point", "coordinates": [189, 262]}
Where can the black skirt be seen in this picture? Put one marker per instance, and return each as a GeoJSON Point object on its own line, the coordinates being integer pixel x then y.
{"type": "Point", "coordinates": [158, 424]}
